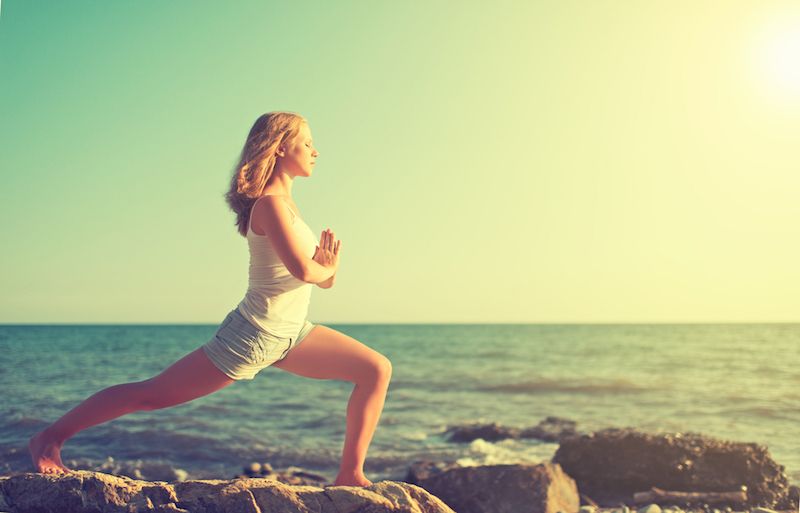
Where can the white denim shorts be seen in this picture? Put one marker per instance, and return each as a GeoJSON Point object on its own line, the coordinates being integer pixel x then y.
{"type": "Point", "coordinates": [241, 350]}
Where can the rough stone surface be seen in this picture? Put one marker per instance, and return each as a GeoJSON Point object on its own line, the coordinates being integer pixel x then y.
{"type": "Point", "coordinates": [489, 432]}
{"type": "Point", "coordinates": [611, 465]}
{"type": "Point", "coordinates": [423, 469]}
{"type": "Point", "coordinates": [542, 488]}
{"type": "Point", "coordinates": [84, 491]}
{"type": "Point", "coordinates": [551, 429]}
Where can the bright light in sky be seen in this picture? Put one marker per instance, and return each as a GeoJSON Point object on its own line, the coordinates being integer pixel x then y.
{"type": "Point", "coordinates": [633, 162]}
{"type": "Point", "coordinates": [783, 59]}
{"type": "Point", "coordinates": [777, 57]}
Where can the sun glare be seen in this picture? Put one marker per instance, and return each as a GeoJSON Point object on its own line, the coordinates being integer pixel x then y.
{"type": "Point", "coordinates": [777, 58]}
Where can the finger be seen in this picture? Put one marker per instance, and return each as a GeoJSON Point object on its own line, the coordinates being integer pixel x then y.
{"type": "Point", "coordinates": [336, 249]}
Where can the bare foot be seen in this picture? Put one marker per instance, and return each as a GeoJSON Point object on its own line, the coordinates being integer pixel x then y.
{"type": "Point", "coordinates": [46, 455]}
{"type": "Point", "coordinates": [350, 479]}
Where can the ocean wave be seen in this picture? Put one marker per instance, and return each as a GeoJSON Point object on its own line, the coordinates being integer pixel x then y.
{"type": "Point", "coordinates": [566, 385]}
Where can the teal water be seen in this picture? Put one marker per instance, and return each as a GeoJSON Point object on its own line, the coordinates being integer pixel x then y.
{"type": "Point", "coordinates": [734, 381]}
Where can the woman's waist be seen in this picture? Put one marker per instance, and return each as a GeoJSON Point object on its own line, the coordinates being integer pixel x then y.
{"type": "Point", "coordinates": [273, 321]}
{"type": "Point", "coordinates": [277, 289]}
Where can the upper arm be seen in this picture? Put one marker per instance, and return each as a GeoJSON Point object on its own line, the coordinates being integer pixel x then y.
{"type": "Point", "coordinates": [276, 221]}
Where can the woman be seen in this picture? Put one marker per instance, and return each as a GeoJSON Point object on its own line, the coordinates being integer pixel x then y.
{"type": "Point", "coordinates": [269, 324]}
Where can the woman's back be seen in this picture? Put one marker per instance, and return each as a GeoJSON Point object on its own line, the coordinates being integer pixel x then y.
{"type": "Point", "coordinates": [276, 301]}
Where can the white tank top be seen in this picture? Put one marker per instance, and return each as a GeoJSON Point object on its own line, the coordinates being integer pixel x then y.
{"type": "Point", "coordinates": [276, 301]}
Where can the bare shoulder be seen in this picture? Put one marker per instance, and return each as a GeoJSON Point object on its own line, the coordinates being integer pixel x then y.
{"type": "Point", "coordinates": [269, 201]}
{"type": "Point", "coordinates": [268, 210]}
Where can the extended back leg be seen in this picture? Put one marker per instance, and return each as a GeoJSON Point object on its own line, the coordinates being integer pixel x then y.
{"type": "Point", "coordinates": [193, 376]}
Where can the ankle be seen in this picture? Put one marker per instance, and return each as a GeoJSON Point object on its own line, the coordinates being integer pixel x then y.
{"type": "Point", "coordinates": [351, 472]}
{"type": "Point", "coordinates": [49, 435]}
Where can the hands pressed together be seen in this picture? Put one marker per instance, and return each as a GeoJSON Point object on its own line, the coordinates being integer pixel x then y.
{"type": "Point", "coordinates": [327, 252]}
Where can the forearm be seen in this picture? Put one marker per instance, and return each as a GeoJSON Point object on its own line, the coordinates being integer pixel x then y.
{"type": "Point", "coordinates": [327, 283]}
{"type": "Point", "coordinates": [314, 272]}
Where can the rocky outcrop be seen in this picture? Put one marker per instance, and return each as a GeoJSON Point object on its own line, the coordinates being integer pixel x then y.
{"type": "Point", "coordinates": [542, 488]}
{"type": "Point", "coordinates": [84, 491]}
{"type": "Point", "coordinates": [551, 429]}
{"type": "Point", "coordinates": [613, 464]}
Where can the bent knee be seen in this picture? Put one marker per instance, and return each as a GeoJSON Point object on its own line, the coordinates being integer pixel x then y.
{"type": "Point", "coordinates": [381, 369]}
{"type": "Point", "coordinates": [377, 369]}
{"type": "Point", "coordinates": [387, 367]}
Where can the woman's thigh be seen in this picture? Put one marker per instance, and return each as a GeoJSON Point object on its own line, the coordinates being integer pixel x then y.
{"type": "Point", "coordinates": [192, 376]}
{"type": "Point", "coordinates": [325, 353]}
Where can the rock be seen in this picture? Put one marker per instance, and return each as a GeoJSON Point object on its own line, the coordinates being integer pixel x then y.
{"type": "Point", "coordinates": [551, 429]}
{"type": "Point", "coordinates": [588, 501]}
{"type": "Point", "coordinates": [84, 491]}
{"type": "Point", "coordinates": [291, 475]}
{"type": "Point", "coordinates": [612, 464]}
{"type": "Point", "coordinates": [651, 508]}
{"type": "Point", "coordinates": [422, 469]}
{"type": "Point", "coordinates": [138, 469]}
{"type": "Point", "coordinates": [542, 488]}
{"type": "Point", "coordinates": [791, 502]}
{"type": "Point", "coordinates": [489, 432]}
{"type": "Point", "coordinates": [309, 476]}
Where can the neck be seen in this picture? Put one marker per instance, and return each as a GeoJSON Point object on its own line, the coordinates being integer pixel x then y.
{"type": "Point", "coordinates": [279, 183]}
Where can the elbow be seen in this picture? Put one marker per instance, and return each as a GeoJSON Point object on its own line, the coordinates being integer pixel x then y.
{"type": "Point", "coordinates": [302, 272]}
{"type": "Point", "coordinates": [299, 271]}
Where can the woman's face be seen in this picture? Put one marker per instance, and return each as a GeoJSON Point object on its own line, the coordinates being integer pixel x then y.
{"type": "Point", "coordinates": [300, 156]}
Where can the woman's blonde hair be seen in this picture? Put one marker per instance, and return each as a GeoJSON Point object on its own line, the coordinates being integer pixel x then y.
{"type": "Point", "coordinates": [257, 161]}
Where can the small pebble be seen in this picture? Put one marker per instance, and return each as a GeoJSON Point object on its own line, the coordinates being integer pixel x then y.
{"type": "Point", "coordinates": [651, 508]}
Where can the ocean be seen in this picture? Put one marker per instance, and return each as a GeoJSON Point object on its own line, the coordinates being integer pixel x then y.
{"type": "Point", "coordinates": [739, 382]}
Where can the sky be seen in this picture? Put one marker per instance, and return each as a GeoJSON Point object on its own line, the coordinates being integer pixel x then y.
{"type": "Point", "coordinates": [504, 162]}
